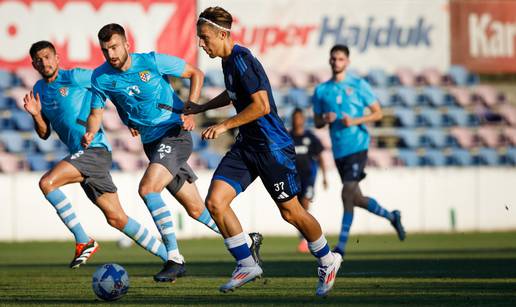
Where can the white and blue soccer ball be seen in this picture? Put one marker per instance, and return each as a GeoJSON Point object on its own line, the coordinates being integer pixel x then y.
{"type": "Point", "coordinates": [110, 282]}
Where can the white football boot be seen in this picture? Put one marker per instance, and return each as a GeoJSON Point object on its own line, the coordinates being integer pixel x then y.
{"type": "Point", "coordinates": [327, 275]}
{"type": "Point", "coordinates": [241, 275]}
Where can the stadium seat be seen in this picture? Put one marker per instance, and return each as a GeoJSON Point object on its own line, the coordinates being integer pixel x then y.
{"type": "Point", "coordinates": [488, 95]}
{"type": "Point", "coordinates": [211, 158]}
{"type": "Point", "coordinates": [490, 136]}
{"type": "Point", "coordinates": [509, 158]}
{"type": "Point", "coordinates": [454, 116]}
{"type": "Point", "coordinates": [298, 97]}
{"type": "Point", "coordinates": [377, 77]}
{"type": "Point", "coordinates": [6, 79]}
{"type": "Point", "coordinates": [13, 141]}
{"type": "Point", "coordinates": [508, 112]}
{"type": "Point", "coordinates": [437, 138]}
{"type": "Point", "coordinates": [461, 96]}
{"type": "Point", "coordinates": [10, 163]}
{"type": "Point", "coordinates": [279, 97]}
{"type": "Point", "coordinates": [460, 157]}
{"type": "Point", "coordinates": [430, 117]}
{"type": "Point", "coordinates": [406, 76]}
{"type": "Point", "coordinates": [380, 158]}
{"type": "Point", "coordinates": [429, 76]}
{"type": "Point", "coordinates": [22, 121]}
{"type": "Point", "coordinates": [6, 123]}
{"type": "Point", "coordinates": [486, 156]}
{"type": "Point", "coordinates": [408, 138]}
{"type": "Point", "coordinates": [38, 162]}
{"type": "Point", "coordinates": [126, 161]}
{"type": "Point", "coordinates": [464, 137]}
{"type": "Point", "coordinates": [383, 96]}
{"type": "Point", "coordinates": [406, 96]}
{"type": "Point", "coordinates": [198, 143]}
{"type": "Point", "coordinates": [433, 157]}
{"type": "Point", "coordinates": [509, 134]}
{"type": "Point", "coordinates": [300, 79]}
{"type": "Point", "coordinates": [409, 158]}
{"type": "Point", "coordinates": [6, 102]}
{"type": "Point", "coordinates": [433, 96]}
{"type": "Point", "coordinates": [45, 146]}
{"type": "Point", "coordinates": [405, 117]}
{"type": "Point", "coordinates": [214, 77]}
{"type": "Point", "coordinates": [28, 76]}
{"type": "Point", "coordinates": [459, 75]}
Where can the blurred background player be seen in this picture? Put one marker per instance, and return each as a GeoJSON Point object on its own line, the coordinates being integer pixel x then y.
{"type": "Point", "coordinates": [340, 103]}
{"type": "Point", "coordinates": [62, 101]}
{"type": "Point", "coordinates": [263, 149]}
{"type": "Point", "coordinates": [308, 157]}
{"type": "Point", "coordinates": [136, 83]}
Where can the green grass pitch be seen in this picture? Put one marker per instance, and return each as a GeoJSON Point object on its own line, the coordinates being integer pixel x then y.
{"type": "Point", "coordinates": [427, 269]}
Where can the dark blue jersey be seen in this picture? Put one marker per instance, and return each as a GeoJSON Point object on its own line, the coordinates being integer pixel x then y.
{"type": "Point", "coordinates": [308, 148]}
{"type": "Point", "coordinates": [244, 76]}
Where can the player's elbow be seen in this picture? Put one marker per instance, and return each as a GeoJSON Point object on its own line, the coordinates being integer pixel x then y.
{"type": "Point", "coordinates": [379, 115]}
{"type": "Point", "coordinates": [266, 108]}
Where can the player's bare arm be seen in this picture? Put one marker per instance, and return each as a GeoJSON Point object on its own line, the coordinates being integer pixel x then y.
{"type": "Point", "coordinates": [93, 126]}
{"type": "Point", "coordinates": [258, 107]}
{"type": "Point", "coordinates": [33, 106]}
{"type": "Point", "coordinates": [376, 114]}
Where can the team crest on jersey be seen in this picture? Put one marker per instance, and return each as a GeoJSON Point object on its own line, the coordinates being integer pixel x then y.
{"type": "Point", "coordinates": [145, 75]}
{"type": "Point", "coordinates": [63, 91]}
{"type": "Point", "coordinates": [349, 91]}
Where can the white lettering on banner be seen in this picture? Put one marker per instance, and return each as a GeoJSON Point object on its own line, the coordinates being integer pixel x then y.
{"type": "Point", "coordinates": [490, 38]}
{"type": "Point", "coordinates": [76, 25]}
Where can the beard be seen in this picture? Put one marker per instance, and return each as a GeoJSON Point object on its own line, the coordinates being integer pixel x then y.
{"type": "Point", "coordinates": [337, 70]}
{"type": "Point", "coordinates": [120, 62]}
{"type": "Point", "coordinates": [48, 74]}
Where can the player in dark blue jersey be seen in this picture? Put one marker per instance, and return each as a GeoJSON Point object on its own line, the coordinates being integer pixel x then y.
{"type": "Point", "coordinates": [138, 85]}
{"type": "Point", "coordinates": [341, 103]}
{"type": "Point", "coordinates": [308, 157]}
{"type": "Point", "coordinates": [61, 101]}
{"type": "Point", "coordinates": [263, 149]}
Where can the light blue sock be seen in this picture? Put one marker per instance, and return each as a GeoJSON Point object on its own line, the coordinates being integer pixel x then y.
{"type": "Point", "coordinates": [66, 213]}
{"type": "Point", "coordinates": [141, 235]}
{"type": "Point", "coordinates": [206, 219]}
{"type": "Point", "coordinates": [163, 220]}
{"type": "Point", "coordinates": [374, 207]}
{"type": "Point", "coordinates": [347, 220]}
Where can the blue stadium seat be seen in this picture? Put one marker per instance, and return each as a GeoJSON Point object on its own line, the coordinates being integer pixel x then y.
{"type": "Point", "coordinates": [509, 158]}
{"type": "Point", "coordinates": [383, 96]}
{"type": "Point", "coordinates": [459, 75]}
{"type": "Point", "coordinates": [460, 157]}
{"type": "Point", "coordinates": [437, 138]}
{"type": "Point", "coordinates": [198, 143]}
{"type": "Point", "coordinates": [487, 156]}
{"type": "Point", "coordinates": [433, 157]}
{"type": "Point", "coordinates": [377, 77]}
{"type": "Point", "coordinates": [430, 117]}
{"type": "Point", "coordinates": [405, 117]}
{"type": "Point", "coordinates": [279, 98]}
{"type": "Point", "coordinates": [298, 97]}
{"type": "Point", "coordinates": [214, 77]}
{"type": "Point", "coordinates": [433, 96]}
{"type": "Point", "coordinates": [38, 162]}
{"type": "Point", "coordinates": [14, 142]}
{"type": "Point", "coordinates": [6, 79]}
{"type": "Point", "coordinates": [455, 116]}
{"type": "Point", "coordinates": [211, 158]}
{"type": "Point", "coordinates": [405, 95]}
{"type": "Point", "coordinates": [409, 157]}
{"type": "Point", "coordinates": [45, 146]}
{"type": "Point", "coordinates": [6, 102]}
{"type": "Point", "coordinates": [6, 124]}
{"type": "Point", "coordinates": [408, 138]}
{"type": "Point", "coordinates": [22, 121]}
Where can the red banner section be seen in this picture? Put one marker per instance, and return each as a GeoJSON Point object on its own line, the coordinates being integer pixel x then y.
{"type": "Point", "coordinates": [166, 26]}
{"type": "Point", "coordinates": [482, 35]}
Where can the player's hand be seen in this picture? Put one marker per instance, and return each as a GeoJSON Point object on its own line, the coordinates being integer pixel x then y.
{"type": "Point", "coordinates": [134, 132]}
{"type": "Point", "coordinates": [32, 104]}
{"type": "Point", "coordinates": [347, 121]}
{"type": "Point", "coordinates": [329, 117]}
{"type": "Point", "coordinates": [214, 131]}
{"type": "Point", "coordinates": [87, 138]}
{"type": "Point", "coordinates": [188, 122]}
{"type": "Point", "coordinates": [192, 108]}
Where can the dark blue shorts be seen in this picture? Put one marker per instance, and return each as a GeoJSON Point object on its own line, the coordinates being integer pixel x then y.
{"type": "Point", "coordinates": [351, 168]}
{"type": "Point", "coordinates": [277, 170]}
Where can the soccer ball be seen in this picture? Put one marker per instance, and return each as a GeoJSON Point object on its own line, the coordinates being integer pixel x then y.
{"type": "Point", "coordinates": [110, 282]}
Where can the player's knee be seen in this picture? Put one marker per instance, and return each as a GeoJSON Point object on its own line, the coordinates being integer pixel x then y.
{"type": "Point", "coordinates": [145, 189]}
{"type": "Point", "coordinates": [46, 185]}
{"type": "Point", "coordinates": [214, 205]}
{"type": "Point", "coordinates": [194, 212]}
{"type": "Point", "coordinates": [116, 220]}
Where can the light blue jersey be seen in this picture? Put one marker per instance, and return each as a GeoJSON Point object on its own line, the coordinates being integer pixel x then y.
{"type": "Point", "coordinates": [350, 96]}
{"type": "Point", "coordinates": [66, 103]}
{"type": "Point", "coordinates": [142, 94]}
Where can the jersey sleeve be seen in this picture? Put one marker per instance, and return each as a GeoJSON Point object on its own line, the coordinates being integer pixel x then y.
{"type": "Point", "coordinates": [316, 102]}
{"type": "Point", "coordinates": [82, 77]}
{"type": "Point", "coordinates": [169, 65]}
{"type": "Point", "coordinates": [98, 96]}
{"type": "Point", "coordinates": [252, 75]}
{"type": "Point", "coordinates": [366, 93]}
{"type": "Point", "coordinates": [316, 147]}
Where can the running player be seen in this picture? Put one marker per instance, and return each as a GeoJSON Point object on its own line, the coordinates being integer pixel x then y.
{"type": "Point", "coordinates": [340, 103]}
{"type": "Point", "coordinates": [308, 156]}
{"type": "Point", "coordinates": [138, 86]}
{"type": "Point", "coordinates": [263, 149]}
{"type": "Point", "coordinates": [62, 102]}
